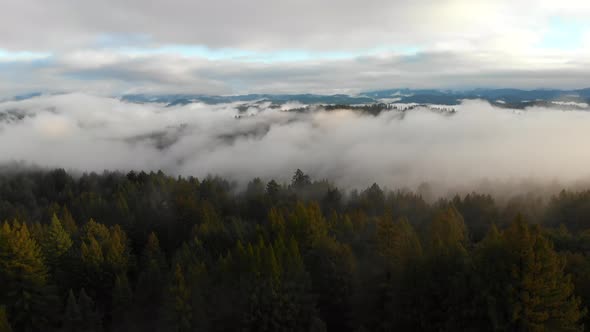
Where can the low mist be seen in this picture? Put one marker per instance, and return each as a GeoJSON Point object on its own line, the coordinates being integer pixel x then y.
{"type": "Point", "coordinates": [478, 147]}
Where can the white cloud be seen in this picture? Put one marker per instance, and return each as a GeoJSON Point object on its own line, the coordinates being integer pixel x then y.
{"type": "Point", "coordinates": [83, 132]}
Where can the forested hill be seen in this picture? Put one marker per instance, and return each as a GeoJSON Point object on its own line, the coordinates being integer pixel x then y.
{"type": "Point", "coordinates": [512, 98]}
{"type": "Point", "coordinates": [150, 252]}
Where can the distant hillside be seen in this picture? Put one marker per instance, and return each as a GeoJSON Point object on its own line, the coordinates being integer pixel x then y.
{"type": "Point", "coordinates": [512, 98]}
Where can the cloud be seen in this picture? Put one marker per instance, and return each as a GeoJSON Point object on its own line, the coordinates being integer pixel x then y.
{"type": "Point", "coordinates": [267, 24]}
{"type": "Point", "coordinates": [113, 73]}
{"type": "Point", "coordinates": [90, 133]}
{"type": "Point", "coordinates": [232, 46]}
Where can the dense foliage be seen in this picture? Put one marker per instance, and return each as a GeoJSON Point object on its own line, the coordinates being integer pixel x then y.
{"type": "Point", "coordinates": [149, 252]}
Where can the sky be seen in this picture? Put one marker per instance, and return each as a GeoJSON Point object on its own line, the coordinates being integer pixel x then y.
{"type": "Point", "coordinates": [113, 47]}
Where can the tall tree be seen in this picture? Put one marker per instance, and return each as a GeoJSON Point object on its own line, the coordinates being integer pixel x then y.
{"type": "Point", "coordinates": [180, 312]}
{"type": "Point", "coordinates": [542, 295]}
{"type": "Point", "coordinates": [55, 243]}
{"type": "Point", "coordinates": [4, 324]}
{"type": "Point", "coordinates": [149, 290]}
{"type": "Point", "coordinates": [300, 179]}
{"type": "Point", "coordinates": [72, 318]}
{"type": "Point", "coordinates": [23, 278]}
{"type": "Point", "coordinates": [91, 318]}
{"type": "Point", "coordinates": [447, 230]}
{"type": "Point", "coordinates": [122, 304]}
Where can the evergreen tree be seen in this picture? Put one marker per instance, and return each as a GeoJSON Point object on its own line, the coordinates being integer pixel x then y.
{"type": "Point", "coordinates": [68, 222]}
{"type": "Point", "coordinates": [116, 252]}
{"type": "Point", "coordinates": [494, 279]}
{"type": "Point", "coordinates": [332, 267]}
{"type": "Point", "coordinates": [317, 325]}
{"type": "Point", "coordinates": [399, 251]}
{"type": "Point", "coordinates": [273, 189]}
{"type": "Point", "coordinates": [4, 324]}
{"type": "Point", "coordinates": [447, 231]}
{"type": "Point", "coordinates": [122, 301]}
{"type": "Point", "coordinates": [542, 295]}
{"type": "Point", "coordinates": [23, 279]}
{"type": "Point", "coordinates": [300, 179]}
{"type": "Point", "coordinates": [91, 318]}
{"type": "Point", "coordinates": [72, 318]}
{"type": "Point", "coordinates": [55, 243]}
{"type": "Point", "coordinates": [397, 243]}
{"type": "Point", "coordinates": [180, 313]}
{"type": "Point", "coordinates": [149, 290]}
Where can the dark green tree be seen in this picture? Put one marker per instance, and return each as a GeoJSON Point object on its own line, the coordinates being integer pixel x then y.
{"type": "Point", "coordinates": [181, 312]}
{"type": "Point", "coordinates": [541, 295]}
{"type": "Point", "coordinates": [4, 324]}
{"type": "Point", "coordinates": [72, 318]}
{"type": "Point", "coordinates": [91, 318]}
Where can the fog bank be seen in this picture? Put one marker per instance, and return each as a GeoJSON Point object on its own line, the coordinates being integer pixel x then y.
{"type": "Point", "coordinates": [477, 144]}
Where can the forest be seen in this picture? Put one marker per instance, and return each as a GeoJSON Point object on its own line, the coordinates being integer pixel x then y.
{"type": "Point", "coordinates": [151, 252]}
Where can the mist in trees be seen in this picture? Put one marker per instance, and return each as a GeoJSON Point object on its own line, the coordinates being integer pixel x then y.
{"type": "Point", "coordinates": [146, 251]}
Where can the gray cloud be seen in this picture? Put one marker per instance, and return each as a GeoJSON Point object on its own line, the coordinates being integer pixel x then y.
{"type": "Point", "coordinates": [110, 47]}
{"type": "Point", "coordinates": [89, 133]}
{"type": "Point", "coordinates": [267, 24]}
{"type": "Point", "coordinates": [262, 24]}
{"type": "Point", "coordinates": [112, 74]}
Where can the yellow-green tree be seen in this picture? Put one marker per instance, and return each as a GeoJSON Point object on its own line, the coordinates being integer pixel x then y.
{"type": "Point", "coordinates": [23, 278]}
{"type": "Point", "coordinates": [55, 242]}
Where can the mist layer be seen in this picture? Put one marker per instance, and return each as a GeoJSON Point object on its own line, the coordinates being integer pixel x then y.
{"type": "Point", "coordinates": [476, 144]}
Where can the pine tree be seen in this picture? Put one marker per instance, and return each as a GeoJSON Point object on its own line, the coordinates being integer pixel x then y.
{"type": "Point", "coordinates": [68, 221]}
{"type": "Point", "coordinates": [104, 255]}
{"type": "Point", "coordinates": [122, 302]}
{"type": "Point", "coordinates": [447, 231]}
{"type": "Point", "coordinates": [72, 318]}
{"type": "Point", "coordinates": [397, 242]}
{"type": "Point", "coordinates": [56, 243]}
{"type": "Point", "coordinates": [542, 295]}
{"type": "Point", "coordinates": [91, 318]}
{"type": "Point", "coordinates": [4, 324]}
{"type": "Point", "coordinates": [273, 189]}
{"type": "Point", "coordinates": [181, 309]}
{"type": "Point", "coordinates": [116, 252]}
{"type": "Point", "coordinates": [317, 325]}
{"type": "Point", "coordinates": [92, 255]}
{"type": "Point", "coordinates": [152, 254]}
{"type": "Point", "coordinates": [492, 261]}
{"type": "Point", "coordinates": [23, 275]}
{"type": "Point", "coordinates": [332, 267]}
{"type": "Point", "coordinates": [307, 224]}
{"type": "Point", "coordinates": [300, 179]}
{"type": "Point", "coordinates": [436, 293]}
{"type": "Point", "coordinates": [400, 250]}
{"type": "Point", "coordinates": [150, 283]}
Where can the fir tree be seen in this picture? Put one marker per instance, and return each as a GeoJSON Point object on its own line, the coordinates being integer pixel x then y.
{"type": "Point", "coordinates": [91, 318]}
{"type": "Point", "coordinates": [542, 295]}
{"type": "Point", "coordinates": [72, 318]}
{"type": "Point", "coordinates": [56, 242]}
{"type": "Point", "coordinates": [122, 302]}
{"type": "Point", "coordinates": [23, 278]}
{"type": "Point", "coordinates": [181, 309]}
{"type": "Point", "coordinates": [4, 324]}
{"type": "Point", "coordinates": [447, 231]}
